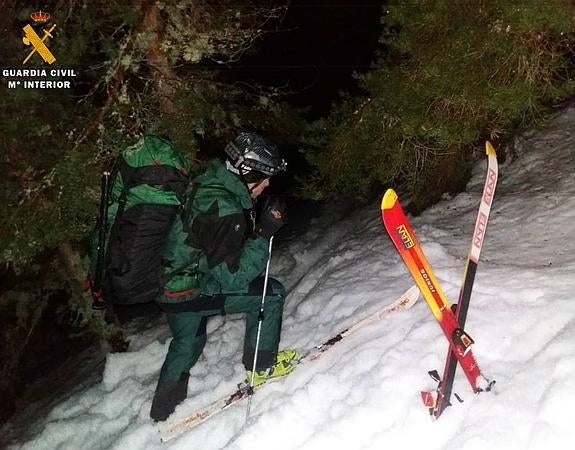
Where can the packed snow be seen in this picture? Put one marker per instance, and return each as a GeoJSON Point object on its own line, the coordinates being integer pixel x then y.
{"type": "Point", "coordinates": [364, 394]}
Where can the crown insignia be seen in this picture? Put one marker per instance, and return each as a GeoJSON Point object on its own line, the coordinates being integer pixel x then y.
{"type": "Point", "coordinates": [40, 16]}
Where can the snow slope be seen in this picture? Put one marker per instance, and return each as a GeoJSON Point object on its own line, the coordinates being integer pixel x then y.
{"type": "Point", "coordinates": [365, 393]}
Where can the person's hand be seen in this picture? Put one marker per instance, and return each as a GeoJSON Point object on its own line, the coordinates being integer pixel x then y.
{"type": "Point", "coordinates": [272, 218]}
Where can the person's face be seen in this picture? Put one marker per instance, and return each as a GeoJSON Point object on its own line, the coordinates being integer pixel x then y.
{"type": "Point", "coordinates": [257, 188]}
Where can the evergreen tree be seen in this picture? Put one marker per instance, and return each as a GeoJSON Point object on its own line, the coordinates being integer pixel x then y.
{"type": "Point", "coordinates": [449, 75]}
{"type": "Point", "coordinates": [142, 66]}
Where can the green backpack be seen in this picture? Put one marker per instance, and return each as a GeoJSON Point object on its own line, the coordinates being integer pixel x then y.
{"type": "Point", "coordinates": [139, 205]}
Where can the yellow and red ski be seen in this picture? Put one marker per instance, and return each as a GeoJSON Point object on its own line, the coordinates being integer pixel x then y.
{"type": "Point", "coordinates": [411, 252]}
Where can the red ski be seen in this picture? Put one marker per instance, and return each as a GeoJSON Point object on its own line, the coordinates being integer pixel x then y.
{"type": "Point", "coordinates": [412, 254]}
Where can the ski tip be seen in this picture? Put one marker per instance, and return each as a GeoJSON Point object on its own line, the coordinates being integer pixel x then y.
{"type": "Point", "coordinates": [389, 199]}
{"type": "Point", "coordinates": [411, 296]}
{"type": "Point", "coordinates": [405, 301]}
{"type": "Point", "coordinates": [489, 148]}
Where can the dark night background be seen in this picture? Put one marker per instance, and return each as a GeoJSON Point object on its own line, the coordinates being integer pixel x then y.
{"type": "Point", "coordinates": [314, 55]}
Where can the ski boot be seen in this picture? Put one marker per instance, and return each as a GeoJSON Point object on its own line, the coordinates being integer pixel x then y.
{"type": "Point", "coordinates": [281, 368]}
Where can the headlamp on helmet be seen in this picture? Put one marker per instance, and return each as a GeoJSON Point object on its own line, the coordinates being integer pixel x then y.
{"type": "Point", "coordinates": [252, 156]}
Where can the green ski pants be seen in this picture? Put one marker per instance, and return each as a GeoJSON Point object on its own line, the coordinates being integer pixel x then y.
{"type": "Point", "coordinates": [189, 327]}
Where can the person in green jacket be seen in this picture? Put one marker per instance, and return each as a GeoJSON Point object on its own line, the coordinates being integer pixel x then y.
{"type": "Point", "coordinates": [214, 263]}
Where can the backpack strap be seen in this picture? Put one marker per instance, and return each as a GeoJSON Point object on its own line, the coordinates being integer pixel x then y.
{"type": "Point", "coordinates": [189, 268]}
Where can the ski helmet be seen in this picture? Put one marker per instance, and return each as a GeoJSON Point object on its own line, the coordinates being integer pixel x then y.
{"type": "Point", "coordinates": [253, 157]}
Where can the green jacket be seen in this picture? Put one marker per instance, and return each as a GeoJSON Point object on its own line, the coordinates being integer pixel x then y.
{"type": "Point", "coordinates": [211, 248]}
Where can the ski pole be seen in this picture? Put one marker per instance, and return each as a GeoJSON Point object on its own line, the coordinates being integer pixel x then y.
{"type": "Point", "coordinates": [101, 249]}
{"type": "Point", "coordinates": [260, 319]}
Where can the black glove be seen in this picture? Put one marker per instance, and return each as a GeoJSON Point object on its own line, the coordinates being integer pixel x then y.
{"type": "Point", "coordinates": [272, 217]}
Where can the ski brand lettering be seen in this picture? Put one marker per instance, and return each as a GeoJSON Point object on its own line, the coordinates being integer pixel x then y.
{"type": "Point", "coordinates": [416, 263]}
{"type": "Point", "coordinates": [490, 187]}
{"type": "Point", "coordinates": [405, 237]}
{"type": "Point", "coordinates": [427, 280]}
{"type": "Point", "coordinates": [480, 230]}
{"type": "Point", "coordinates": [439, 399]}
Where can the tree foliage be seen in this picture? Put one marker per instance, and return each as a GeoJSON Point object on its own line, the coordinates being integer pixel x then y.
{"type": "Point", "coordinates": [142, 66]}
{"type": "Point", "coordinates": [450, 74]}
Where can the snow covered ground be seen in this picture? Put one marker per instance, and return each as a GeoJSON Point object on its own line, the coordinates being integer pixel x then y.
{"type": "Point", "coordinates": [364, 394]}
